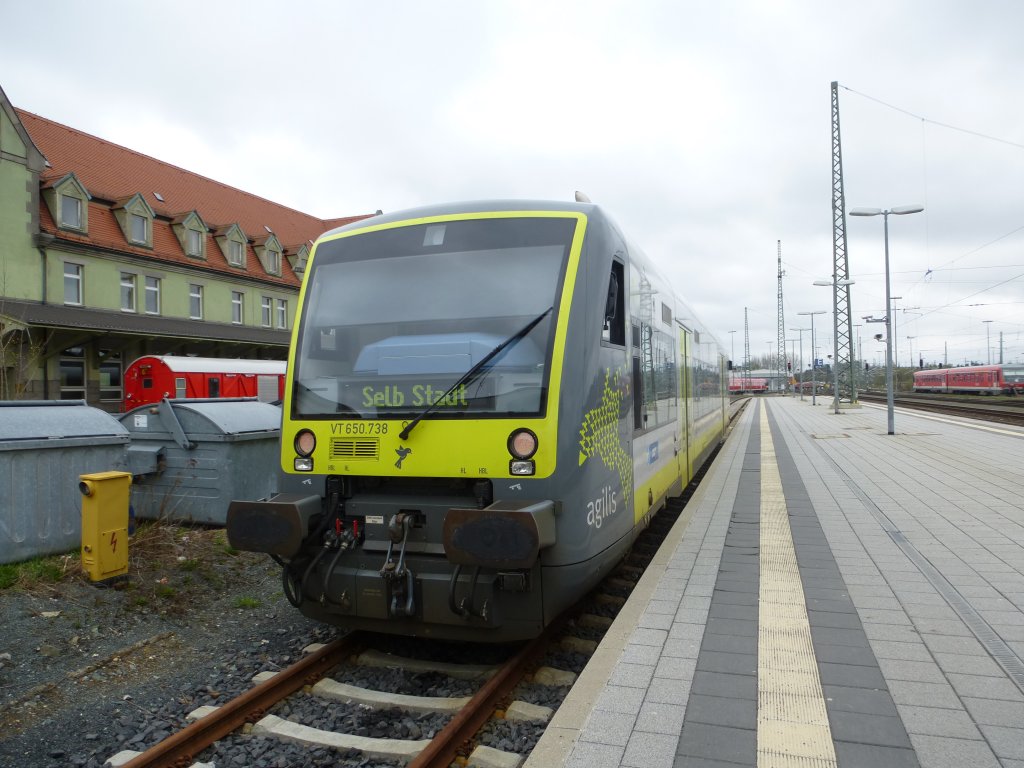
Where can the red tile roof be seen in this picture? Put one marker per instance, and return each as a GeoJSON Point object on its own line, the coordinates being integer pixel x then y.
{"type": "Point", "coordinates": [111, 173]}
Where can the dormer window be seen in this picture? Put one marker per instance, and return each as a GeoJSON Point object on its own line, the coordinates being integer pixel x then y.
{"type": "Point", "coordinates": [139, 229]}
{"type": "Point", "coordinates": [68, 203]}
{"type": "Point", "coordinates": [236, 253]}
{"type": "Point", "coordinates": [191, 231]}
{"type": "Point", "coordinates": [70, 212]}
{"type": "Point", "coordinates": [136, 220]}
{"type": "Point", "coordinates": [268, 251]}
{"type": "Point", "coordinates": [298, 258]}
{"type": "Point", "coordinates": [194, 243]}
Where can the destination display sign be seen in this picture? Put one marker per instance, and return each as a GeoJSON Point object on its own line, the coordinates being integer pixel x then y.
{"type": "Point", "coordinates": [410, 395]}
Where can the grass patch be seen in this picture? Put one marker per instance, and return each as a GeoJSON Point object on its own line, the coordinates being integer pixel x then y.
{"type": "Point", "coordinates": [39, 571]}
{"type": "Point", "coordinates": [171, 565]}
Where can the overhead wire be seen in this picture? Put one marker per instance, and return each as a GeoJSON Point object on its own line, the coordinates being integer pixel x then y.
{"type": "Point", "coordinates": [978, 134]}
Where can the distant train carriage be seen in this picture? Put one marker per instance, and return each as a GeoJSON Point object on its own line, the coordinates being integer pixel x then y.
{"type": "Point", "coordinates": [747, 386]}
{"type": "Point", "coordinates": [980, 379]}
{"type": "Point", "coordinates": [485, 404]}
{"type": "Point", "coordinates": [154, 377]}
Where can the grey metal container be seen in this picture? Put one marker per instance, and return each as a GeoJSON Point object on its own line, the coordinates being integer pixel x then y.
{"type": "Point", "coordinates": [190, 457]}
{"type": "Point", "coordinates": [44, 446]}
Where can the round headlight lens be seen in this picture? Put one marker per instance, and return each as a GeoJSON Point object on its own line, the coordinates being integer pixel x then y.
{"type": "Point", "coordinates": [305, 442]}
{"type": "Point", "coordinates": [522, 444]}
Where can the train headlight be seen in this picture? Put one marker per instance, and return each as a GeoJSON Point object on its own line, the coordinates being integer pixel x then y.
{"type": "Point", "coordinates": [303, 464]}
{"type": "Point", "coordinates": [522, 444]}
{"type": "Point", "coordinates": [305, 443]}
{"type": "Point", "coordinates": [521, 467]}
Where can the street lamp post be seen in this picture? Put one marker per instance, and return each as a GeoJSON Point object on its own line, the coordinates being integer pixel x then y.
{"type": "Point", "coordinates": [836, 284]}
{"type": "Point", "coordinates": [791, 362]}
{"type": "Point", "coordinates": [898, 210]}
{"type": "Point", "coordinates": [814, 359]}
{"type": "Point", "coordinates": [801, 331]}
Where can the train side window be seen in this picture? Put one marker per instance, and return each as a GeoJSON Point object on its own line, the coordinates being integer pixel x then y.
{"type": "Point", "coordinates": [614, 331]}
{"type": "Point", "coordinates": [214, 387]}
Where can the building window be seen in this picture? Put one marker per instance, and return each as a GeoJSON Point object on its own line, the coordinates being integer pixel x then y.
{"type": "Point", "coordinates": [236, 253]}
{"type": "Point", "coordinates": [273, 262]}
{"type": "Point", "coordinates": [72, 374]}
{"type": "Point", "coordinates": [73, 283]}
{"type": "Point", "coordinates": [70, 212]}
{"type": "Point", "coordinates": [110, 376]}
{"type": "Point", "coordinates": [152, 295]}
{"type": "Point", "coordinates": [127, 292]}
{"type": "Point", "coordinates": [195, 301]}
{"type": "Point", "coordinates": [236, 307]}
{"type": "Point", "coordinates": [194, 242]}
{"type": "Point", "coordinates": [282, 313]}
{"type": "Point", "coordinates": [266, 311]}
{"type": "Point", "coordinates": [139, 229]}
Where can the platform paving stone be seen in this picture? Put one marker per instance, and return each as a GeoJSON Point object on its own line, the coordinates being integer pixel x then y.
{"type": "Point", "coordinates": [935, 721]}
{"type": "Point", "coordinates": [945, 752]}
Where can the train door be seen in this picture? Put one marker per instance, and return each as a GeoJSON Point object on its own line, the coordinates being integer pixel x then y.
{"type": "Point", "coordinates": [683, 456]}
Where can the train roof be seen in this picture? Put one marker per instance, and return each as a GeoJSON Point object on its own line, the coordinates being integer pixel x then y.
{"type": "Point", "coordinates": [470, 206]}
{"type": "Point", "coordinates": [180, 364]}
{"type": "Point", "coordinates": [592, 210]}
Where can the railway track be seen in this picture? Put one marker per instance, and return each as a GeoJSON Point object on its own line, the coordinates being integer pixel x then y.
{"type": "Point", "coordinates": [315, 674]}
{"type": "Point", "coordinates": [1001, 412]}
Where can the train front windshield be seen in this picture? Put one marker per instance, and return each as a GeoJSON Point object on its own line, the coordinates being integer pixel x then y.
{"type": "Point", "coordinates": [393, 320]}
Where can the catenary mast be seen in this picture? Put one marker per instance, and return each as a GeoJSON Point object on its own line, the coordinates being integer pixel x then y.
{"type": "Point", "coordinates": [780, 358]}
{"type": "Point", "coordinates": [846, 376]}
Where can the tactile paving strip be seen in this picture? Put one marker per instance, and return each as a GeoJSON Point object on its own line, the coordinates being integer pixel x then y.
{"type": "Point", "coordinates": [792, 722]}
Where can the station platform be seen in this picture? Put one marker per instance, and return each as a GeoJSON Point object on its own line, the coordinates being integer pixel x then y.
{"type": "Point", "coordinates": [831, 596]}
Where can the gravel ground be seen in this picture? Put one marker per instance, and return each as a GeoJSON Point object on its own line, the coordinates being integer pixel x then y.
{"type": "Point", "coordinates": [86, 672]}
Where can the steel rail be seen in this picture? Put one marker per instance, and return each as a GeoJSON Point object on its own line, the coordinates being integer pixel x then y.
{"type": "Point", "coordinates": [181, 748]}
{"type": "Point", "coordinates": [1005, 414]}
{"type": "Point", "coordinates": [444, 747]}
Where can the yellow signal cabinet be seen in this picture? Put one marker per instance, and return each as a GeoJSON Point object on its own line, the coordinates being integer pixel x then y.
{"type": "Point", "coordinates": [105, 524]}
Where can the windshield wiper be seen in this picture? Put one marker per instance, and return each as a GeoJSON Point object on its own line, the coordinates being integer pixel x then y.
{"type": "Point", "coordinates": [404, 434]}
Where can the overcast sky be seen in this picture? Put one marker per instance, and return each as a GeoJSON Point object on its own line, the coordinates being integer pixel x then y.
{"type": "Point", "coordinates": [703, 128]}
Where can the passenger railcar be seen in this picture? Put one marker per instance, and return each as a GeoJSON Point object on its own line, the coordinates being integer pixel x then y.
{"type": "Point", "coordinates": [485, 403]}
{"type": "Point", "coordinates": [983, 379]}
{"type": "Point", "coordinates": [745, 386]}
{"type": "Point", "coordinates": [151, 378]}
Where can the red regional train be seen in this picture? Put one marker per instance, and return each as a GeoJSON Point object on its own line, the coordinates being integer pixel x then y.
{"type": "Point", "coordinates": [744, 385]}
{"type": "Point", "coordinates": [983, 379]}
{"type": "Point", "coordinates": [154, 377]}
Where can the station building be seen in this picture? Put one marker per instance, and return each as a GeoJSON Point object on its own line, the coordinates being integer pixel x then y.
{"type": "Point", "coordinates": [107, 254]}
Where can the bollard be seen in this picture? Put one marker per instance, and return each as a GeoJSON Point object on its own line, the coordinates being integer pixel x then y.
{"type": "Point", "coordinates": [105, 525]}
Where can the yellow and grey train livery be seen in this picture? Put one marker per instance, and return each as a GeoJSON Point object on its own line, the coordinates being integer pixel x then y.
{"type": "Point", "coordinates": [485, 403]}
